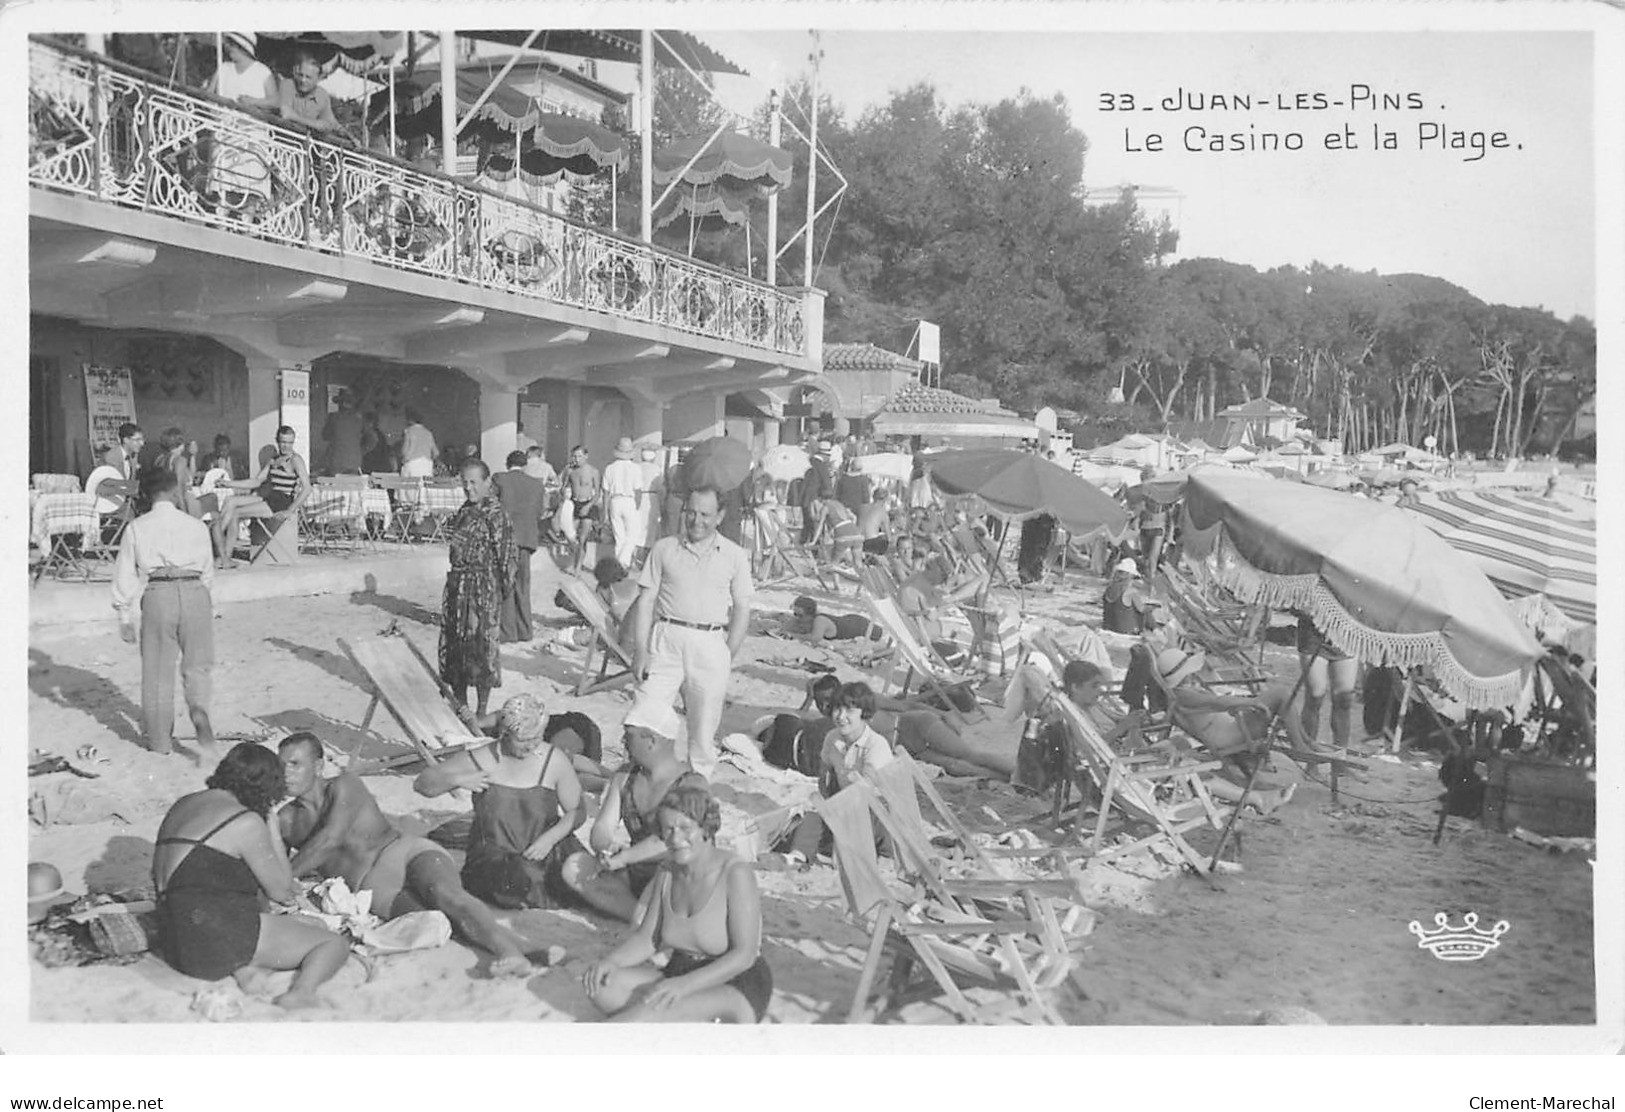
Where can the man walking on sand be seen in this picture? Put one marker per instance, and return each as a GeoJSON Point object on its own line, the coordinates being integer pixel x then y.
{"type": "Point", "coordinates": [691, 620]}
{"type": "Point", "coordinates": [166, 566]}
{"type": "Point", "coordinates": [336, 828]}
{"type": "Point", "coordinates": [625, 490]}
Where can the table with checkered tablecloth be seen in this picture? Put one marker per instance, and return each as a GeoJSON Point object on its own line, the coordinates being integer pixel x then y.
{"type": "Point", "coordinates": [59, 513]}
{"type": "Point", "coordinates": [346, 503]}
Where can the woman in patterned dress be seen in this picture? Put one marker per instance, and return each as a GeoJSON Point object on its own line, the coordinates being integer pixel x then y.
{"type": "Point", "coordinates": [483, 562]}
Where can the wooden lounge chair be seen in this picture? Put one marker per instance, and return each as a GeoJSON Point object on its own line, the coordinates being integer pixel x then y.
{"type": "Point", "coordinates": [1148, 789]}
{"type": "Point", "coordinates": [409, 687]}
{"type": "Point", "coordinates": [1307, 759]}
{"type": "Point", "coordinates": [935, 930]}
{"type": "Point", "coordinates": [783, 559]}
{"type": "Point", "coordinates": [919, 657]}
{"type": "Point", "coordinates": [978, 876]}
{"type": "Point", "coordinates": [591, 608]}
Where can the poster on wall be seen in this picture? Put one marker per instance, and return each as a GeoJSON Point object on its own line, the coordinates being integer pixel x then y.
{"type": "Point", "coordinates": [110, 400]}
{"type": "Point", "coordinates": [296, 403]}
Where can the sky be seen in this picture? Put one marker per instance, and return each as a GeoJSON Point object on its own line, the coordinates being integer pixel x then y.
{"type": "Point", "coordinates": [1516, 225]}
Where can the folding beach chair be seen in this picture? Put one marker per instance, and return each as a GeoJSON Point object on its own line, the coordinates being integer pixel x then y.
{"type": "Point", "coordinates": [934, 928]}
{"type": "Point", "coordinates": [981, 873]}
{"type": "Point", "coordinates": [782, 559]}
{"type": "Point", "coordinates": [1223, 628]}
{"type": "Point", "coordinates": [1149, 789]}
{"type": "Point", "coordinates": [1251, 721]}
{"type": "Point", "coordinates": [409, 687]}
{"type": "Point", "coordinates": [591, 608]}
{"type": "Point", "coordinates": [920, 659]}
{"type": "Point", "coordinates": [334, 517]}
{"type": "Point", "coordinates": [274, 539]}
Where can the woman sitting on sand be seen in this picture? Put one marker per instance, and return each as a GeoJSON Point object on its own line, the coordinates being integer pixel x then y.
{"type": "Point", "coordinates": [527, 804]}
{"type": "Point", "coordinates": [613, 881]}
{"type": "Point", "coordinates": [217, 860]}
{"type": "Point", "coordinates": [706, 912]}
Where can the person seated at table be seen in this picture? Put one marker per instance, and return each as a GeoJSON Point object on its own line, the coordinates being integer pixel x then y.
{"type": "Point", "coordinates": [527, 804]}
{"type": "Point", "coordinates": [216, 861]}
{"type": "Point", "coordinates": [172, 446]}
{"type": "Point", "coordinates": [336, 829]}
{"type": "Point", "coordinates": [109, 487]}
{"type": "Point", "coordinates": [706, 911]}
{"type": "Point", "coordinates": [279, 489]}
{"type": "Point", "coordinates": [613, 881]}
{"type": "Point", "coordinates": [807, 624]}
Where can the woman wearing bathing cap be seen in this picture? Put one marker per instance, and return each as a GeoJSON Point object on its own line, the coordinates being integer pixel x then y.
{"type": "Point", "coordinates": [527, 804]}
{"type": "Point", "coordinates": [613, 881]}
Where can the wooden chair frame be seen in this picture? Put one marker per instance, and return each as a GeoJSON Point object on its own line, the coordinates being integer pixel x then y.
{"type": "Point", "coordinates": [591, 608]}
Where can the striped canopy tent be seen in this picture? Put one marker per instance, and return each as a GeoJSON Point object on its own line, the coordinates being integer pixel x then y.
{"type": "Point", "coordinates": [732, 158]}
{"type": "Point", "coordinates": [354, 51]}
{"type": "Point", "coordinates": [728, 202]}
{"type": "Point", "coordinates": [559, 146]}
{"type": "Point", "coordinates": [671, 48]}
{"type": "Point", "coordinates": [1377, 582]}
{"type": "Point", "coordinates": [1539, 552]}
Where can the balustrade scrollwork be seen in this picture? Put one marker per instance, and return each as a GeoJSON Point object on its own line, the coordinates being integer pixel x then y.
{"type": "Point", "coordinates": [97, 130]}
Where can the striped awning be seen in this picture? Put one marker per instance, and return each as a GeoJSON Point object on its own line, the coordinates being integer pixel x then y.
{"type": "Point", "coordinates": [1527, 544]}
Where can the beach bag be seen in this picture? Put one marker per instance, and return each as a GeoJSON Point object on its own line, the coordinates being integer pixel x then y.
{"type": "Point", "coordinates": [1040, 758]}
{"type": "Point", "coordinates": [116, 932]}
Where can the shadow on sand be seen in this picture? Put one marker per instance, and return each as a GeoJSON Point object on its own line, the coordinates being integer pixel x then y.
{"type": "Point", "coordinates": [77, 689]}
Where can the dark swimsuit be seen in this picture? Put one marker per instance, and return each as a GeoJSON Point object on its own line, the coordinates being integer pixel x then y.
{"type": "Point", "coordinates": [506, 821]}
{"type": "Point", "coordinates": [754, 984]}
{"type": "Point", "coordinates": [210, 909]}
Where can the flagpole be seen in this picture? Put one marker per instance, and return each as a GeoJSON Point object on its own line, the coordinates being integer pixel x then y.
{"type": "Point", "coordinates": [812, 168]}
{"type": "Point", "coordinates": [773, 130]}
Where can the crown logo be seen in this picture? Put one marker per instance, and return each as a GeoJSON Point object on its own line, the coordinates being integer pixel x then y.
{"type": "Point", "coordinates": [1466, 944]}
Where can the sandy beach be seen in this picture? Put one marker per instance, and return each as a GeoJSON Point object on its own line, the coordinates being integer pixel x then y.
{"type": "Point", "coordinates": [1316, 918]}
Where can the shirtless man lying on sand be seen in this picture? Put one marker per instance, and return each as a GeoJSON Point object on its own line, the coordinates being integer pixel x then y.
{"type": "Point", "coordinates": [337, 829]}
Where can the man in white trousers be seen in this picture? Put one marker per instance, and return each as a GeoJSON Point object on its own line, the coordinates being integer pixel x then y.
{"type": "Point", "coordinates": [692, 616]}
{"type": "Point", "coordinates": [624, 488]}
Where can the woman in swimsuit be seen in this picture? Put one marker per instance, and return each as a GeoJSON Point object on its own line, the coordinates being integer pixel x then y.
{"type": "Point", "coordinates": [216, 862]}
{"type": "Point", "coordinates": [613, 881]}
{"type": "Point", "coordinates": [527, 803]}
{"type": "Point", "coordinates": [706, 913]}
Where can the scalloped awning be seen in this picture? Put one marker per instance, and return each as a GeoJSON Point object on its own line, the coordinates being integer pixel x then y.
{"type": "Point", "coordinates": [731, 157]}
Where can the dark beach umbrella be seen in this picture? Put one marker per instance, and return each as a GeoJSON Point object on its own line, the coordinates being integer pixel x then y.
{"type": "Point", "coordinates": [1020, 485]}
{"type": "Point", "coordinates": [719, 462]}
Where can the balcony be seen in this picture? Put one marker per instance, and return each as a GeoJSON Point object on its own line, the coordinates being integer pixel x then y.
{"type": "Point", "coordinates": [103, 131]}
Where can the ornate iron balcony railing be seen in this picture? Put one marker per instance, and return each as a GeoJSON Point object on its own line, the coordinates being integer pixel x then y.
{"type": "Point", "coordinates": [103, 130]}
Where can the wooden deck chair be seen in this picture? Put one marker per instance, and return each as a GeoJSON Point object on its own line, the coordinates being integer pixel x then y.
{"type": "Point", "coordinates": [783, 559]}
{"type": "Point", "coordinates": [970, 549]}
{"type": "Point", "coordinates": [273, 540]}
{"type": "Point", "coordinates": [919, 658]}
{"type": "Point", "coordinates": [979, 876]}
{"type": "Point", "coordinates": [591, 608]}
{"type": "Point", "coordinates": [1232, 631]}
{"type": "Point", "coordinates": [1307, 759]}
{"type": "Point", "coordinates": [408, 686]}
{"type": "Point", "coordinates": [931, 930]}
{"type": "Point", "coordinates": [1132, 785]}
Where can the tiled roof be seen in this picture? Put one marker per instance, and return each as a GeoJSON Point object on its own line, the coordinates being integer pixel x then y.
{"type": "Point", "coordinates": [866, 357]}
{"type": "Point", "coordinates": [914, 398]}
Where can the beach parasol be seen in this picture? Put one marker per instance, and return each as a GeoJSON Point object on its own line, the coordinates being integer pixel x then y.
{"type": "Point", "coordinates": [1534, 549]}
{"type": "Point", "coordinates": [886, 465]}
{"type": "Point", "coordinates": [728, 201]}
{"type": "Point", "coordinates": [719, 462]}
{"type": "Point", "coordinates": [786, 462]}
{"type": "Point", "coordinates": [1020, 485]}
{"type": "Point", "coordinates": [1378, 583]}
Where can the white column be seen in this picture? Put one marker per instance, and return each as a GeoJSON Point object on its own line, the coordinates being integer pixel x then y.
{"type": "Point", "coordinates": [772, 428]}
{"type": "Point", "coordinates": [773, 131]}
{"type": "Point", "coordinates": [646, 116]}
{"type": "Point", "coordinates": [265, 410]}
{"type": "Point", "coordinates": [499, 425]}
{"type": "Point", "coordinates": [448, 102]}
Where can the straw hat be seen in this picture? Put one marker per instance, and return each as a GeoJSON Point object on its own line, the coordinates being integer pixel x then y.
{"type": "Point", "coordinates": [242, 40]}
{"type": "Point", "coordinates": [624, 448]}
{"type": "Point", "coordinates": [658, 720]}
{"type": "Point", "coordinates": [1126, 567]}
{"type": "Point", "coordinates": [1173, 665]}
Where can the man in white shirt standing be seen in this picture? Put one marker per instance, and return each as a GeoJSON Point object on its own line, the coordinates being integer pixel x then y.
{"type": "Point", "coordinates": [691, 620]}
{"type": "Point", "coordinates": [166, 565]}
{"type": "Point", "coordinates": [418, 449]}
{"type": "Point", "coordinates": [624, 487]}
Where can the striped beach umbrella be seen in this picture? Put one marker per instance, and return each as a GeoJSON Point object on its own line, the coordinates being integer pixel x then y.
{"type": "Point", "coordinates": [1527, 544]}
